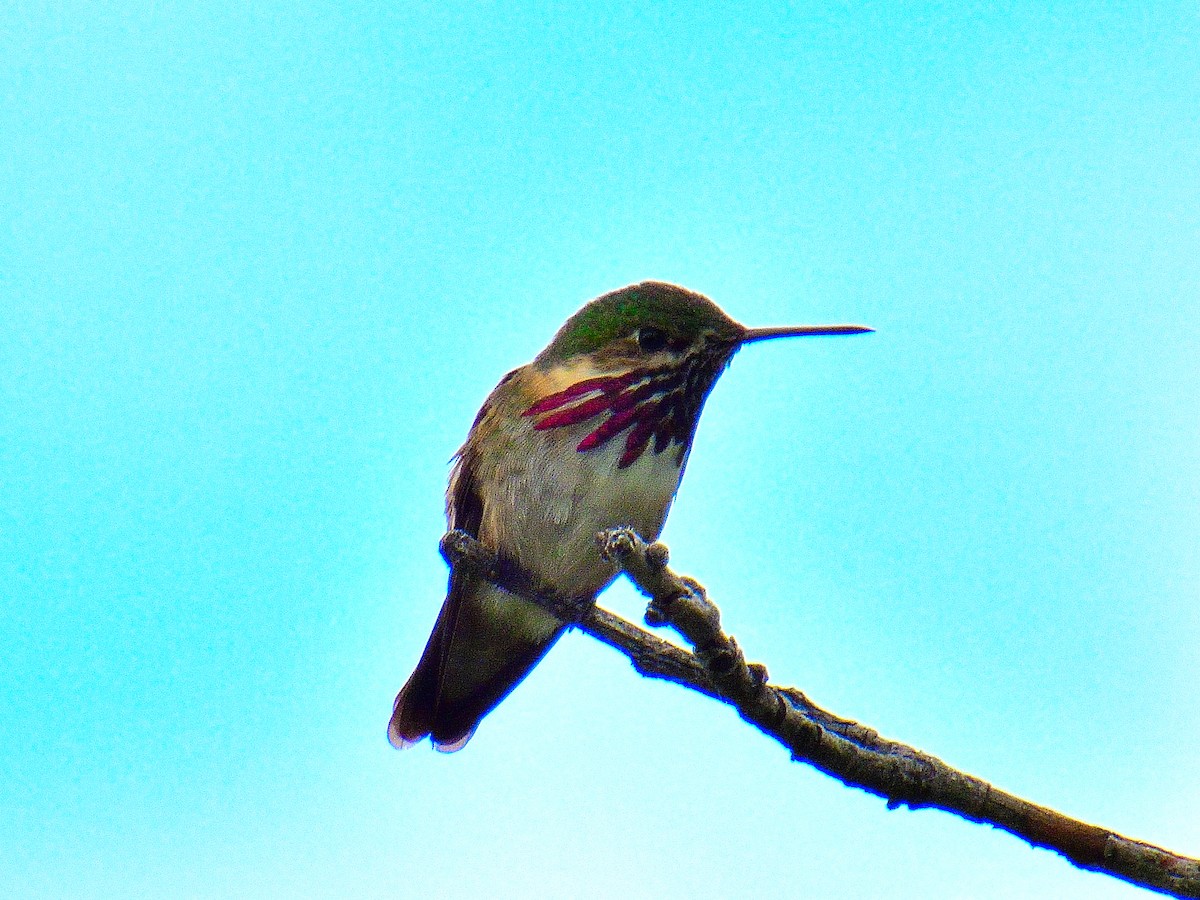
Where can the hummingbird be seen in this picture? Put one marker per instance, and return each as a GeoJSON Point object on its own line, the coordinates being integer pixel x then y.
{"type": "Point", "coordinates": [593, 434]}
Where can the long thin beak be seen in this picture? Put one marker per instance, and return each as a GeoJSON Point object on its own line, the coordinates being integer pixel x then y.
{"type": "Point", "coordinates": [766, 334]}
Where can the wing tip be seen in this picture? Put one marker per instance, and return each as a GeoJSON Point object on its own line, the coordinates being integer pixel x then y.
{"type": "Point", "coordinates": [402, 734]}
{"type": "Point", "coordinates": [452, 746]}
{"type": "Point", "coordinates": [402, 740]}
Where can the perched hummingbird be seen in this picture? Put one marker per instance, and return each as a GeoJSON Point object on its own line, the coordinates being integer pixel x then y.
{"type": "Point", "coordinates": [593, 434]}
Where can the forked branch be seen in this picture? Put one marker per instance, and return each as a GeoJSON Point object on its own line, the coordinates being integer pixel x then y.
{"type": "Point", "coordinates": [854, 754]}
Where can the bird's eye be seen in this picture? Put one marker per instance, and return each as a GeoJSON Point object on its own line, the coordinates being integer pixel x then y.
{"type": "Point", "coordinates": [651, 339]}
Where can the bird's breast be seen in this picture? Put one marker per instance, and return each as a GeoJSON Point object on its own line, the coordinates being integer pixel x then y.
{"type": "Point", "coordinates": [548, 500]}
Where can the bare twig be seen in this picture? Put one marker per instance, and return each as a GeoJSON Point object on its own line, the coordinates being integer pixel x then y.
{"type": "Point", "coordinates": [854, 754]}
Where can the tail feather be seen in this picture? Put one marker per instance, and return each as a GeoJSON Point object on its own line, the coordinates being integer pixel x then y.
{"type": "Point", "coordinates": [413, 715]}
{"type": "Point", "coordinates": [484, 644]}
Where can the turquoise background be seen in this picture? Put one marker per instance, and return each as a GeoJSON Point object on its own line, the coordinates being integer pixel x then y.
{"type": "Point", "coordinates": [261, 263]}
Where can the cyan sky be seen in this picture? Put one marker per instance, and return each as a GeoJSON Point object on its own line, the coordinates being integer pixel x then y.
{"type": "Point", "coordinates": [260, 265]}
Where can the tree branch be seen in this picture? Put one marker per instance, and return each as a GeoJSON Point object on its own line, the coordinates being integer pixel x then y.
{"type": "Point", "coordinates": [852, 753]}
